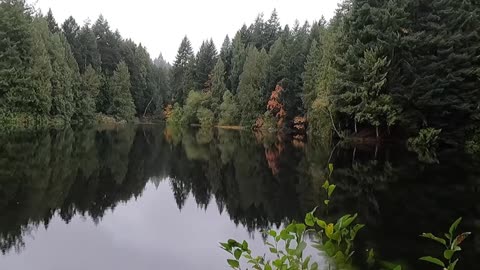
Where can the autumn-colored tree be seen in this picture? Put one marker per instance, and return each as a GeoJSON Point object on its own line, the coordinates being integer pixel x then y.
{"type": "Point", "coordinates": [276, 107]}
{"type": "Point", "coordinates": [167, 111]}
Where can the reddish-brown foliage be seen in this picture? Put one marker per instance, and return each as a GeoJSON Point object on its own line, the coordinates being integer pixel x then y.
{"type": "Point", "coordinates": [272, 154]}
{"type": "Point", "coordinates": [276, 107]}
{"type": "Point", "coordinates": [167, 112]}
{"type": "Point", "coordinates": [300, 124]}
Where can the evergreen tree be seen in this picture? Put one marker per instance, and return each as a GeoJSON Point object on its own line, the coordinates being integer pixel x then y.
{"type": "Point", "coordinates": [226, 54]}
{"type": "Point", "coordinates": [238, 60]}
{"type": "Point", "coordinates": [70, 30]}
{"type": "Point", "coordinates": [160, 62]}
{"type": "Point", "coordinates": [122, 102]}
{"type": "Point", "coordinates": [252, 86]}
{"type": "Point", "coordinates": [108, 44]}
{"type": "Point", "coordinates": [41, 68]}
{"type": "Point", "coordinates": [272, 30]}
{"type": "Point", "coordinates": [52, 23]}
{"type": "Point", "coordinates": [229, 111]}
{"type": "Point", "coordinates": [85, 99]}
{"type": "Point", "coordinates": [87, 52]}
{"type": "Point", "coordinates": [205, 62]}
{"type": "Point", "coordinates": [218, 85]}
{"type": "Point", "coordinates": [16, 93]}
{"type": "Point", "coordinates": [277, 67]}
{"type": "Point", "coordinates": [312, 74]}
{"type": "Point", "coordinates": [182, 72]}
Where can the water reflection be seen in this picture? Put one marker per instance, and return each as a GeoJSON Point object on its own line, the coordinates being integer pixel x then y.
{"type": "Point", "coordinates": [256, 181]}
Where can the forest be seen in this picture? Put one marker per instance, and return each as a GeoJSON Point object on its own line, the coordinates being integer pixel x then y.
{"type": "Point", "coordinates": [378, 69]}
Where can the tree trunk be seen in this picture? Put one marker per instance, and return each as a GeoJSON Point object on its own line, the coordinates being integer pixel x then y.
{"type": "Point", "coordinates": [148, 105]}
{"type": "Point", "coordinates": [376, 130]}
{"type": "Point", "coordinates": [356, 130]}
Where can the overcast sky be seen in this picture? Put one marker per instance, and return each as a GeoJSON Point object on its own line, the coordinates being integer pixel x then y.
{"type": "Point", "coordinates": [160, 25]}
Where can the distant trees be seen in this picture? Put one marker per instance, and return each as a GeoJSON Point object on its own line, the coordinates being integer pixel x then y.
{"type": "Point", "coordinates": [70, 73]}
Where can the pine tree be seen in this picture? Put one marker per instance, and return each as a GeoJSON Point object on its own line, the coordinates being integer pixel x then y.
{"type": "Point", "coordinates": [205, 62]}
{"type": "Point", "coordinates": [182, 72]}
{"type": "Point", "coordinates": [52, 24]}
{"type": "Point", "coordinates": [70, 30]}
{"type": "Point", "coordinates": [87, 52]}
{"type": "Point", "coordinates": [226, 54]}
{"type": "Point", "coordinates": [277, 67]}
{"type": "Point", "coordinates": [16, 92]}
{"type": "Point", "coordinates": [218, 85]}
{"type": "Point", "coordinates": [272, 30]}
{"type": "Point", "coordinates": [238, 60]}
{"type": "Point", "coordinates": [312, 74]}
{"type": "Point", "coordinates": [122, 102]}
{"type": "Point", "coordinates": [229, 111]}
{"type": "Point", "coordinates": [41, 68]}
{"type": "Point", "coordinates": [108, 44]}
{"type": "Point", "coordinates": [85, 99]}
{"type": "Point", "coordinates": [252, 86]}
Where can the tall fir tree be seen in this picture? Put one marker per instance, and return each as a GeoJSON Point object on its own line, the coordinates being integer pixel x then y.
{"type": "Point", "coordinates": [52, 23]}
{"type": "Point", "coordinates": [16, 93]}
{"type": "Point", "coordinates": [182, 72]}
{"type": "Point", "coordinates": [122, 102]}
{"type": "Point", "coordinates": [205, 62]}
{"type": "Point", "coordinates": [238, 60]}
{"type": "Point", "coordinates": [226, 54]}
{"type": "Point", "coordinates": [218, 87]}
{"type": "Point", "coordinates": [251, 100]}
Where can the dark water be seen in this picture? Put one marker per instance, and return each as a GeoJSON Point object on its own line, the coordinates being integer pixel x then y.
{"type": "Point", "coordinates": [150, 198]}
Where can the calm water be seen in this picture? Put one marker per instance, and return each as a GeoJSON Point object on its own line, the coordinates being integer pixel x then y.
{"type": "Point", "coordinates": [150, 198]}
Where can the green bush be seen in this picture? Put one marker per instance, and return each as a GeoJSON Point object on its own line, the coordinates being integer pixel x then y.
{"type": "Point", "coordinates": [205, 117]}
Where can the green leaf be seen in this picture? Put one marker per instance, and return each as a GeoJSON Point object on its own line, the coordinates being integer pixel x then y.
{"type": "Point", "coordinates": [331, 188]}
{"type": "Point", "coordinates": [273, 250]}
{"type": "Point", "coordinates": [348, 221]}
{"type": "Point", "coordinates": [314, 266]}
{"type": "Point", "coordinates": [448, 254]}
{"type": "Point", "coordinates": [330, 168]}
{"type": "Point", "coordinates": [321, 223]}
{"type": "Point", "coordinates": [226, 246]}
{"type": "Point", "coordinates": [432, 260]}
{"type": "Point", "coordinates": [268, 267]}
{"type": "Point", "coordinates": [452, 265]}
{"type": "Point", "coordinates": [244, 245]}
{"type": "Point", "coordinates": [237, 253]}
{"type": "Point", "coordinates": [233, 263]}
{"type": "Point", "coordinates": [306, 262]}
{"type": "Point", "coordinates": [326, 202]}
{"type": "Point", "coordinates": [433, 237]}
{"type": "Point", "coordinates": [398, 267]}
{"type": "Point", "coordinates": [454, 226]}
{"type": "Point", "coordinates": [329, 248]}
{"type": "Point", "coordinates": [300, 248]}
{"type": "Point", "coordinates": [300, 228]}
{"type": "Point", "coordinates": [310, 220]}
{"type": "Point", "coordinates": [272, 233]}
{"type": "Point", "coordinates": [326, 185]}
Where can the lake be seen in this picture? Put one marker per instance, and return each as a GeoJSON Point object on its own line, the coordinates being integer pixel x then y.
{"type": "Point", "coordinates": [146, 197]}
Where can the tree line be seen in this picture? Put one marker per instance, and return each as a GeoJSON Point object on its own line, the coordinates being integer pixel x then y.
{"type": "Point", "coordinates": [69, 73]}
{"type": "Point", "coordinates": [377, 68]}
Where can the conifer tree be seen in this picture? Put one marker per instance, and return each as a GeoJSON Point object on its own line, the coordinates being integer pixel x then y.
{"type": "Point", "coordinates": [229, 111]}
{"type": "Point", "coordinates": [182, 72]}
{"type": "Point", "coordinates": [218, 87]}
{"type": "Point", "coordinates": [226, 54]}
{"type": "Point", "coordinates": [87, 52]}
{"type": "Point", "coordinates": [86, 96]}
{"type": "Point", "coordinates": [238, 60]}
{"type": "Point", "coordinates": [41, 68]}
{"type": "Point", "coordinates": [52, 23]}
{"type": "Point", "coordinates": [122, 102]}
{"type": "Point", "coordinates": [205, 62]}
{"type": "Point", "coordinates": [16, 58]}
{"type": "Point", "coordinates": [252, 86]}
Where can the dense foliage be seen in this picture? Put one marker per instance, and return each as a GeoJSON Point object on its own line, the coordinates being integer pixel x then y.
{"type": "Point", "coordinates": [376, 69]}
{"type": "Point", "coordinates": [69, 73]}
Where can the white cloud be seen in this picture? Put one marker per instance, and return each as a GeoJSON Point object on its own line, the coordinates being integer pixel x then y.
{"type": "Point", "coordinates": [160, 25]}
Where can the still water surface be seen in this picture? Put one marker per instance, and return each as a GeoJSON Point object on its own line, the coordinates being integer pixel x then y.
{"type": "Point", "coordinates": [150, 198]}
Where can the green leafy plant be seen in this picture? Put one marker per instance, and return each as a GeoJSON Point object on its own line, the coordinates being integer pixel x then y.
{"type": "Point", "coordinates": [287, 246]}
{"type": "Point", "coordinates": [329, 188]}
{"type": "Point", "coordinates": [451, 242]}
